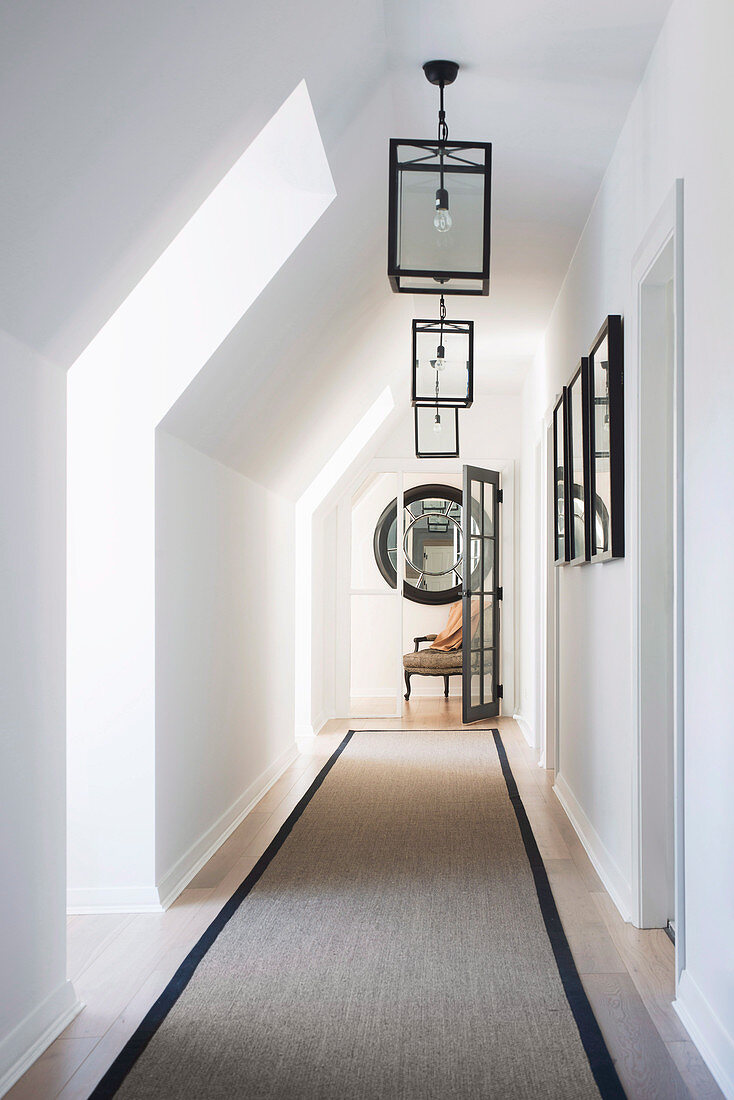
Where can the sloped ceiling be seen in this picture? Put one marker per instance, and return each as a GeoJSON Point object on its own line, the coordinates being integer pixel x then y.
{"type": "Point", "coordinates": [118, 120]}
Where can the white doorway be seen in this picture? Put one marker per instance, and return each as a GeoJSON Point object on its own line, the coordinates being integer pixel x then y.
{"type": "Point", "coordinates": [657, 553]}
{"type": "Point", "coordinates": [374, 624]}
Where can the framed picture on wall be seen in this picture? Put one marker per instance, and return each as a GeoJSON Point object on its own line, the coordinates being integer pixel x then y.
{"type": "Point", "coordinates": [577, 435]}
{"type": "Point", "coordinates": [560, 526]}
{"type": "Point", "coordinates": [606, 441]}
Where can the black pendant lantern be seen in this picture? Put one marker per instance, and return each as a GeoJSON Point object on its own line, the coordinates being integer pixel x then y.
{"type": "Point", "coordinates": [436, 432]}
{"type": "Point", "coordinates": [440, 193]}
{"type": "Point", "coordinates": [443, 362]}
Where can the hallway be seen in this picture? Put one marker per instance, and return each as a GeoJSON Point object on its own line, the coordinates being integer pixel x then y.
{"type": "Point", "coordinates": [298, 417]}
{"type": "Point", "coordinates": [121, 963]}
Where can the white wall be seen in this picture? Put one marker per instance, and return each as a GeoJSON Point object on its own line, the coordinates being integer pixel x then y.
{"type": "Point", "coordinates": [675, 129]}
{"type": "Point", "coordinates": [224, 650]}
{"type": "Point", "coordinates": [35, 994]}
{"type": "Point", "coordinates": [373, 605]}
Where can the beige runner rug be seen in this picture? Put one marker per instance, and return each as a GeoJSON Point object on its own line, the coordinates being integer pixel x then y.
{"type": "Point", "coordinates": [398, 939]}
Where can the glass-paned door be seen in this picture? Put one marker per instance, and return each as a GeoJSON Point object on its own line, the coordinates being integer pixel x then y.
{"type": "Point", "coordinates": [481, 592]}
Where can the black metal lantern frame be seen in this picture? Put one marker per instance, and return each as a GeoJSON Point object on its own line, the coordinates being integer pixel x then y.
{"type": "Point", "coordinates": [445, 378]}
{"type": "Point", "coordinates": [439, 208]}
{"type": "Point", "coordinates": [415, 167]}
{"type": "Point", "coordinates": [432, 444]}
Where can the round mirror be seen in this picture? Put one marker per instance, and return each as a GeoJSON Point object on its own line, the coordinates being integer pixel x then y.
{"type": "Point", "coordinates": [432, 544]}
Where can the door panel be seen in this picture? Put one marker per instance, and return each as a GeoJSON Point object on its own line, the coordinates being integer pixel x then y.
{"type": "Point", "coordinates": [481, 692]}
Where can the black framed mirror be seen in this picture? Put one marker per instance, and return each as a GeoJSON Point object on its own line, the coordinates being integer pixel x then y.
{"type": "Point", "coordinates": [573, 537]}
{"type": "Point", "coordinates": [560, 546]}
{"type": "Point", "coordinates": [606, 438]}
{"type": "Point", "coordinates": [433, 544]}
{"type": "Point", "coordinates": [578, 532]}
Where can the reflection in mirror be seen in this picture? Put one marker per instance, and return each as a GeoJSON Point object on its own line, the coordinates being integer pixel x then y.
{"type": "Point", "coordinates": [606, 440]}
{"type": "Point", "coordinates": [578, 549]}
{"type": "Point", "coordinates": [433, 550]}
{"type": "Point", "coordinates": [432, 544]}
{"type": "Point", "coordinates": [601, 455]}
{"type": "Point", "coordinates": [559, 481]}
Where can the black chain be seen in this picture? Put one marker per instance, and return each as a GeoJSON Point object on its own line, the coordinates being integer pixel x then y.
{"type": "Point", "coordinates": [443, 129]}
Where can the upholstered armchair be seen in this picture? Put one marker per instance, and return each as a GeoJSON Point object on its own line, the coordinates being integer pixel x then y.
{"type": "Point", "coordinates": [431, 662]}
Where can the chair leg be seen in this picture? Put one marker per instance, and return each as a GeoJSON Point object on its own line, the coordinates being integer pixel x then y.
{"type": "Point", "coordinates": [446, 686]}
{"type": "Point", "coordinates": [407, 684]}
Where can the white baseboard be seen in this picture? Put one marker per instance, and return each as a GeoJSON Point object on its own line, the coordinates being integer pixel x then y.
{"type": "Point", "coordinates": [714, 1043]}
{"type": "Point", "coordinates": [113, 899]}
{"type": "Point", "coordinates": [619, 890]}
{"type": "Point", "coordinates": [319, 722]}
{"type": "Point", "coordinates": [189, 865]}
{"type": "Point", "coordinates": [156, 900]}
{"type": "Point", "coordinates": [27, 1042]}
{"type": "Point", "coordinates": [526, 730]}
{"type": "Point", "coordinates": [305, 733]}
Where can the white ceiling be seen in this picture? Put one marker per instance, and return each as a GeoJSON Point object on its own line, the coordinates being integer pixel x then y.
{"type": "Point", "coordinates": [118, 120]}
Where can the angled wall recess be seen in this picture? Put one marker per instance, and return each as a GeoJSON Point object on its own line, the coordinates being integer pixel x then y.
{"type": "Point", "coordinates": [118, 390]}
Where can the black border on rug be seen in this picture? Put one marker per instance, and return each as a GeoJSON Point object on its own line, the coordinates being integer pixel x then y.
{"type": "Point", "coordinates": [150, 1023]}
{"type": "Point", "coordinates": [597, 1052]}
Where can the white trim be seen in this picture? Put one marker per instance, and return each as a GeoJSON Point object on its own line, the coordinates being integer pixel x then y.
{"type": "Point", "coordinates": [305, 737]}
{"type": "Point", "coordinates": [113, 899]}
{"type": "Point", "coordinates": [156, 900]}
{"type": "Point", "coordinates": [549, 629]}
{"type": "Point", "coordinates": [319, 722]}
{"type": "Point", "coordinates": [34, 1034]}
{"type": "Point", "coordinates": [614, 882]}
{"type": "Point", "coordinates": [526, 729]}
{"type": "Point", "coordinates": [667, 226]}
{"type": "Point", "coordinates": [708, 1033]}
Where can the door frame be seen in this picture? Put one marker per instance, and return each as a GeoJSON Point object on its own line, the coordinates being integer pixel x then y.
{"type": "Point", "coordinates": [433, 469]}
{"type": "Point", "coordinates": [666, 227]}
{"type": "Point", "coordinates": [548, 625]}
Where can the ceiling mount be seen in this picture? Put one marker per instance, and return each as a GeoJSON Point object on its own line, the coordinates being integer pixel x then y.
{"type": "Point", "coordinates": [441, 73]}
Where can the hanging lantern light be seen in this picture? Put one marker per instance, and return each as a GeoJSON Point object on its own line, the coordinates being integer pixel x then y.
{"type": "Point", "coordinates": [439, 208]}
{"type": "Point", "coordinates": [436, 432]}
{"type": "Point", "coordinates": [443, 362]}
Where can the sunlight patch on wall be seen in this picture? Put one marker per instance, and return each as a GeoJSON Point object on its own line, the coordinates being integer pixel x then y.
{"type": "Point", "coordinates": [198, 289]}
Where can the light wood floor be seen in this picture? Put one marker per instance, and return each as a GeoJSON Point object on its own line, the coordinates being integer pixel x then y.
{"type": "Point", "coordinates": [121, 963]}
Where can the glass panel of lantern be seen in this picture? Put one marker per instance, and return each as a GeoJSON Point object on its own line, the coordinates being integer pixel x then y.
{"type": "Point", "coordinates": [439, 217]}
{"type": "Point", "coordinates": [436, 432]}
{"type": "Point", "coordinates": [443, 363]}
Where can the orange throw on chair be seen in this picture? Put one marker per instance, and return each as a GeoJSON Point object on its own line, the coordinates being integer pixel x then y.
{"type": "Point", "coordinates": [450, 636]}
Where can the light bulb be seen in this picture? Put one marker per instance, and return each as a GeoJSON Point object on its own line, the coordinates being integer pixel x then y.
{"type": "Point", "coordinates": [442, 220]}
{"type": "Point", "coordinates": [437, 423]}
{"type": "Point", "coordinates": [440, 361]}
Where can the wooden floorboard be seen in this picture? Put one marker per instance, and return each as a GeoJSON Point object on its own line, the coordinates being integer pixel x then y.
{"type": "Point", "coordinates": [121, 963]}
